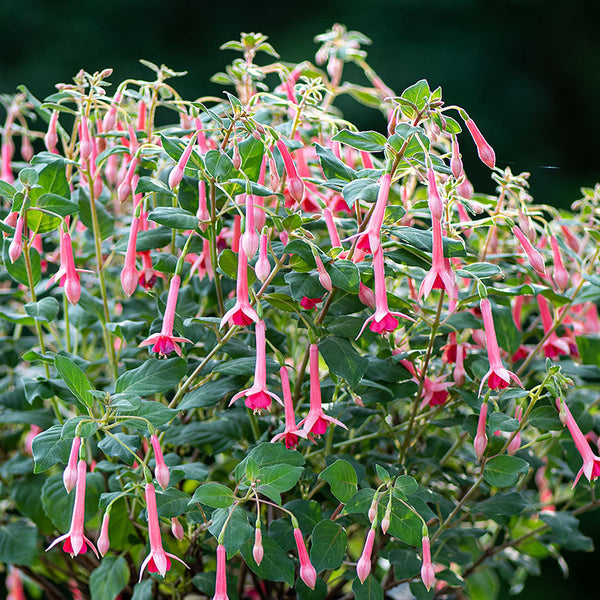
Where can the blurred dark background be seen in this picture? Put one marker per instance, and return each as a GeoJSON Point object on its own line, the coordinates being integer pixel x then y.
{"type": "Point", "coordinates": [528, 72]}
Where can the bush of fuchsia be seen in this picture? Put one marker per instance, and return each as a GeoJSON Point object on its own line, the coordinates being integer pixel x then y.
{"type": "Point", "coordinates": [249, 351]}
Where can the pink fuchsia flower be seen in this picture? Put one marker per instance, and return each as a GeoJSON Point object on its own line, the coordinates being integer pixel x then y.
{"type": "Point", "coordinates": [258, 552]}
{"type": "Point", "coordinates": [316, 422]}
{"type": "Point", "coordinates": [51, 137]}
{"type": "Point", "coordinates": [383, 320]}
{"type": "Point", "coordinates": [427, 570]}
{"type": "Point", "coordinates": [221, 581]}
{"type": "Point", "coordinates": [165, 342]}
{"type": "Point", "coordinates": [70, 472]}
{"type": "Point", "coordinates": [292, 432]}
{"type": "Point", "coordinates": [202, 262]}
{"type": "Point", "coordinates": [8, 149]}
{"type": "Point", "coordinates": [591, 462]}
{"type": "Point", "coordinates": [309, 303]}
{"type": "Point", "coordinates": [515, 443]}
{"type": "Point", "coordinates": [258, 397]}
{"type": "Point", "coordinates": [14, 585]}
{"type": "Point", "coordinates": [33, 431]}
{"type": "Point", "coordinates": [161, 471]}
{"type": "Point", "coordinates": [324, 278]}
{"type": "Point", "coordinates": [436, 206]}
{"type": "Point", "coordinates": [308, 574]}
{"type": "Point", "coordinates": [177, 529]}
{"type": "Point", "coordinates": [103, 540]}
{"type": "Point", "coordinates": [129, 274]}
{"type": "Point", "coordinates": [158, 560]}
{"type": "Point", "coordinates": [435, 391]}
{"type": "Point", "coordinates": [481, 440]}
{"type": "Point", "coordinates": [553, 346]}
{"type": "Point", "coordinates": [176, 174]}
{"type": "Point", "coordinates": [295, 184]}
{"type": "Point", "coordinates": [332, 229]}
{"type": "Point", "coordinates": [536, 260]}
{"type": "Point", "coordinates": [363, 566]}
{"type": "Point", "coordinates": [485, 151]}
{"type": "Point", "coordinates": [67, 275]}
{"type": "Point", "coordinates": [440, 276]}
{"type": "Point", "coordinates": [560, 275]}
{"type": "Point", "coordinates": [16, 246]}
{"type": "Point", "coordinates": [262, 268]}
{"type": "Point", "coordinates": [456, 164]}
{"type": "Point", "coordinates": [75, 541]}
{"type": "Point", "coordinates": [366, 295]}
{"type": "Point", "coordinates": [249, 239]}
{"type": "Point", "coordinates": [241, 313]}
{"type": "Point", "coordinates": [498, 377]}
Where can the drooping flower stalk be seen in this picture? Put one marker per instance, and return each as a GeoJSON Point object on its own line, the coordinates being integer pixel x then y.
{"type": "Point", "coordinates": [292, 432]}
{"type": "Point", "coordinates": [440, 276]}
{"type": "Point", "coordinates": [258, 397]}
{"type": "Point", "coordinates": [157, 560]}
{"type": "Point", "coordinates": [75, 541]}
{"type": "Point", "coordinates": [484, 150]}
{"type": "Point", "coordinates": [591, 462]}
{"type": "Point", "coordinates": [498, 377]}
{"type": "Point", "coordinates": [316, 422]}
{"type": "Point", "coordinates": [165, 342]}
{"type": "Point", "coordinates": [241, 312]}
{"type": "Point", "coordinates": [295, 183]}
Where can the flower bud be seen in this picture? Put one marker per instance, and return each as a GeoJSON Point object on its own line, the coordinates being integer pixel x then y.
{"type": "Point", "coordinates": [177, 529]}
{"type": "Point", "coordinates": [455, 160]}
{"type": "Point", "coordinates": [258, 551]}
{"type": "Point", "coordinates": [427, 570]}
{"type": "Point", "coordinates": [485, 151]}
{"type": "Point", "coordinates": [262, 268]}
{"type": "Point", "coordinates": [363, 567]}
{"type": "Point", "coordinates": [103, 542]}
{"type": "Point", "coordinates": [16, 246]}
{"type": "Point", "coordinates": [70, 472]}
{"type": "Point", "coordinates": [436, 205]}
{"type": "Point", "coordinates": [26, 149]}
{"type": "Point", "coordinates": [366, 295]}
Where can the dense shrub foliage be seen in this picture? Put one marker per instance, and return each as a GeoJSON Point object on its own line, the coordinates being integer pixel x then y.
{"type": "Point", "coordinates": [257, 353]}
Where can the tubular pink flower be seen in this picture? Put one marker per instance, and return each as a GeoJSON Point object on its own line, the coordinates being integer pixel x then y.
{"type": "Point", "coordinates": [591, 462]}
{"type": "Point", "coordinates": [85, 143]}
{"type": "Point", "coordinates": [515, 443]}
{"type": "Point", "coordinates": [366, 159]}
{"type": "Point", "coordinates": [14, 585]}
{"type": "Point", "coordinates": [383, 320]}
{"type": "Point", "coordinates": [75, 540]}
{"type": "Point", "coordinates": [363, 566]}
{"type": "Point", "coordinates": [70, 472]}
{"type": "Point", "coordinates": [158, 560]}
{"type": "Point", "coordinates": [498, 377]}
{"type": "Point", "coordinates": [258, 551]}
{"type": "Point", "coordinates": [324, 278]}
{"type": "Point", "coordinates": [221, 581]}
{"type": "Point", "coordinates": [258, 397]}
{"type": "Point", "coordinates": [308, 573]}
{"type": "Point", "coordinates": [161, 471]}
{"type": "Point", "coordinates": [485, 151]}
{"type": "Point", "coordinates": [435, 391]}
{"type": "Point", "coordinates": [129, 274]}
{"type": "Point", "coordinates": [316, 422]}
{"type": "Point", "coordinates": [427, 570]}
{"type": "Point", "coordinates": [177, 529]}
{"type": "Point", "coordinates": [51, 138]}
{"type": "Point", "coordinates": [262, 268]}
{"type": "Point", "coordinates": [124, 189]}
{"type": "Point", "coordinates": [295, 184]}
{"type": "Point", "coordinates": [26, 148]}
{"type": "Point", "coordinates": [249, 239]}
{"type": "Point", "coordinates": [103, 542]}
{"type": "Point", "coordinates": [456, 164]}
{"type": "Point", "coordinates": [202, 213]}
{"type": "Point", "coordinates": [16, 246]}
{"type": "Point", "coordinates": [165, 342]}
{"type": "Point", "coordinates": [560, 276]}
{"type": "Point", "coordinates": [203, 262]}
{"type": "Point", "coordinates": [67, 275]}
{"type": "Point", "coordinates": [480, 441]}
{"type": "Point", "coordinates": [331, 229]}
{"type": "Point", "coordinates": [436, 206]}
{"type": "Point", "coordinates": [241, 313]}
{"type": "Point", "coordinates": [176, 174]}
{"type": "Point", "coordinates": [110, 118]}
{"type": "Point", "coordinates": [8, 149]}
{"type": "Point", "coordinates": [292, 432]}
{"type": "Point", "coordinates": [536, 260]}
{"type": "Point", "coordinates": [440, 276]}
{"type": "Point", "coordinates": [553, 346]}
{"type": "Point", "coordinates": [459, 372]}
{"type": "Point", "coordinates": [370, 238]}
{"type": "Point", "coordinates": [366, 295]}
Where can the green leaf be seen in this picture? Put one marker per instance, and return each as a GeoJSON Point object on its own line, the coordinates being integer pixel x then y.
{"type": "Point", "coordinates": [545, 418]}
{"type": "Point", "coordinates": [53, 180]}
{"type": "Point", "coordinates": [18, 543]}
{"type": "Point", "coordinates": [509, 337]}
{"type": "Point", "coordinates": [219, 165]}
{"type": "Point", "coordinates": [328, 545]}
{"type": "Point", "coordinates": [333, 167]}
{"type": "Point", "coordinates": [344, 275]}
{"type": "Point", "coordinates": [105, 219]}
{"type": "Point", "coordinates": [418, 95]}
{"type": "Point", "coordinates": [172, 503]}
{"type": "Point", "coordinates": [504, 471]}
{"type": "Point", "coordinates": [280, 477]}
{"type": "Point", "coordinates": [237, 531]}
{"type": "Point", "coordinates": [40, 221]}
{"type": "Point", "coordinates": [369, 141]}
{"type": "Point", "coordinates": [406, 484]}
{"type": "Point", "coordinates": [18, 270]}
{"type": "Point", "coordinates": [481, 270]}
{"type": "Point", "coordinates": [500, 422]}
{"type": "Point", "coordinates": [113, 446]}
{"type": "Point", "coordinates": [276, 565]}
{"type": "Point", "coordinates": [44, 310]}
{"type": "Point", "coordinates": [342, 479]}
{"type": "Point", "coordinates": [366, 190]}
{"type": "Point", "coordinates": [26, 495]}
{"type": "Point", "coordinates": [343, 360]}
{"type": "Point", "coordinates": [149, 184]}
{"type": "Point", "coordinates": [143, 590]}
{"type": "Point", "coordinates": [155, 412]}
{"type": "Point", "coordinates": [404, 524]}
{"type": "Point", "coordinates": [369, 590]}
{"type": "Point", "coordinates": [173, 217]}
{"type": "Point", "coordinates": [75, 379]}
{"type": "Point", "coordinates": [49, 448]}
{"type": "Point", "coordinates": [110, 578]}
{"type": "Point", "coordinates": [589, 349]}
{"type": "Point", "coordinates": [153, 376]}
{"type": "Point", "coordinates": [7, 190]}
{"type": "Point", "coordinates": [483, 585]}
{"type": "Point", "coordinates": [214, 495]}
{"type": "Point", "coordinates": [504, 504]}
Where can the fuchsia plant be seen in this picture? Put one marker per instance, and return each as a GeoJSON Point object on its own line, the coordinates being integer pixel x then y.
{"type": "Point", "coordinates": [276, 231]}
